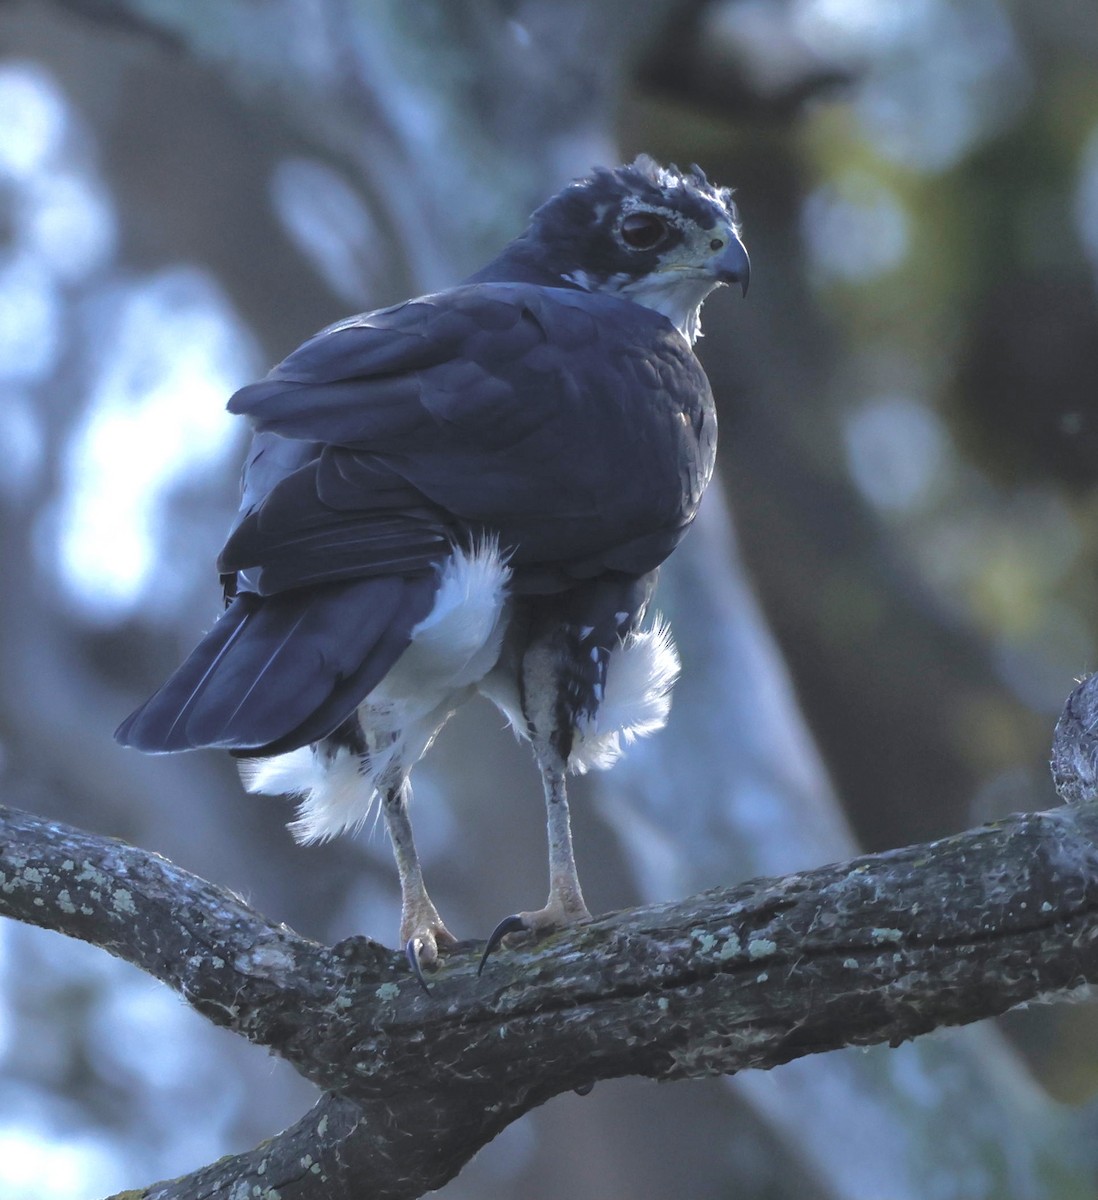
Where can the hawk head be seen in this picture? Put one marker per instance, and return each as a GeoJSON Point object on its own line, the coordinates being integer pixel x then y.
{"type": "Point", "coordinates": [655, 235]}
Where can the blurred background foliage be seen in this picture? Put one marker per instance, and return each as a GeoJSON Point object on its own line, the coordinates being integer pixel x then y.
{"type": "Point", "coordinates": [909, 417]}
{"type": "Point", "coordinates": [914, 478]}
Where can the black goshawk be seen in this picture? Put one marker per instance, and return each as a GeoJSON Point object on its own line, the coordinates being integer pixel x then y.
{"type": "Point", "coordinates": [469, 492]}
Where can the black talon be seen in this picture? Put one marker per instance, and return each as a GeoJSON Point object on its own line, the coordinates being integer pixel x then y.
{"type": "Point", "coordinates": [412, 955]}
{"type": "Point", "coordinates": [511, 924]}
{"type": "Point", "coordinates": [584, 1089]}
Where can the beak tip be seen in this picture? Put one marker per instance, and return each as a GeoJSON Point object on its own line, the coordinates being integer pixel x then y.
{"type": "Point", "coordinates": [734, 265]}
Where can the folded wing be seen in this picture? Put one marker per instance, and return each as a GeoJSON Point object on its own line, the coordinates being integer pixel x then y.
{"type": "Point", "coordinates": [576, 428]}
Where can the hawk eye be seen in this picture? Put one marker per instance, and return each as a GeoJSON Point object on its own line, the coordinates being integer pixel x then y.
{"type": "Point", "coordinates": [642, 230]}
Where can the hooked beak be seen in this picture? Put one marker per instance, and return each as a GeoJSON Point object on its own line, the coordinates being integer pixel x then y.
{"type": "Point", "coordinates": [731, 265]}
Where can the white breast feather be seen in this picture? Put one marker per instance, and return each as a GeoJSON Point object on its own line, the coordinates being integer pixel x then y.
{"type": "Point", "coordinates": [451, 649]}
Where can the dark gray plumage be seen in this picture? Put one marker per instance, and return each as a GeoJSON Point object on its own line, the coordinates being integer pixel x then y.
{"type": "Point", "coordinates": [469, 491]}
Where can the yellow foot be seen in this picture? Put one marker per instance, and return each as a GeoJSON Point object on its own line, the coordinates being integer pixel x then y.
{"type": "Point", "coordinates": [557, 914]}
{"type": "Point", "coordinates": [422, 934]}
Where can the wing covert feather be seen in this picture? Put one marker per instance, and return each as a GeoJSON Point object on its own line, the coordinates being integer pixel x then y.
{"type": "Point", "coordinates": [572, 425]}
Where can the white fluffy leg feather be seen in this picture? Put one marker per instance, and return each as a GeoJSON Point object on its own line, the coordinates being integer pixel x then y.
{"type": "Point", "coordinates": [337, 792]}
{"type": "Point", "coordinates": [639, 679]}
{"type": "Point", "coordinates": [641, 673]}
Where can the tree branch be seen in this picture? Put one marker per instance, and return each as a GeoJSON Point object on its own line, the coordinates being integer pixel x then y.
{"type": "Point", "coordinates": [878, 949]}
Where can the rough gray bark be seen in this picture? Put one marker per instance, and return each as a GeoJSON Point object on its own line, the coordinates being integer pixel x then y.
{"type": "Point", "coordinates": [878, 949]}
{"type": "Point", "coordinates": [1075, 745]}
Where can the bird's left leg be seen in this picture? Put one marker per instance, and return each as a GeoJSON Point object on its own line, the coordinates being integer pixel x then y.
{"type": "Point", "coordinates": [421, 928]}
{"type": "Point", "coordinates": [565, 905]}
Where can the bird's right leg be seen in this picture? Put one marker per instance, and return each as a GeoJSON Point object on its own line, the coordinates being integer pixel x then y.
{"type": "Point", "coordinates": [421, 928]}
{"type": "Point", "coordinates": [565, 905]}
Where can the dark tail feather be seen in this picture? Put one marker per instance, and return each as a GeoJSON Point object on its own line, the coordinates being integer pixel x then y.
{"type": "Point", "coordinates": [160, 725]}
{"type": "Point", "coordinates": [278, 672]}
